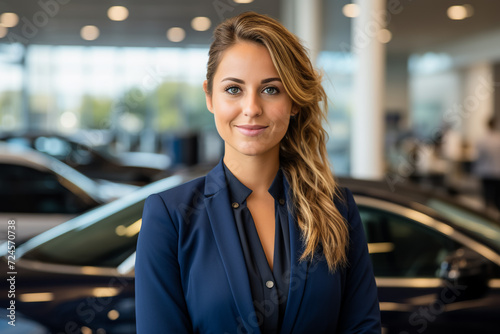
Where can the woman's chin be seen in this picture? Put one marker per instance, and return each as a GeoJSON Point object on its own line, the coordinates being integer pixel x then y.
{"type": "Point", "coordinates": [258, 150]}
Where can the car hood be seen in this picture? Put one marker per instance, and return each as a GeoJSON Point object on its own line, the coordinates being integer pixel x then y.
{"type": "Point", "coordinates": [144, 160]}
{"type": "Point", "coordinates": [109, 191]}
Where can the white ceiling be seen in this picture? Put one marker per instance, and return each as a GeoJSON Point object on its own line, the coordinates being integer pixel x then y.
{"type": "Point", "coordinates": [416, 25]}
{"type": "Point", "coordinates": [146, 25]}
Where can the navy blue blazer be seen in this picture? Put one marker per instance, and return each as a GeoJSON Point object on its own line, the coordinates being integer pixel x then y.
{"type": "Point", "coordinates": [191, 275]}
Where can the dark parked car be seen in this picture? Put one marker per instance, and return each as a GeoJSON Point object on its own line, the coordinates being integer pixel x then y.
{"type": "Point", "coordinates": [97, 162]}
{"type": "Point", "coordinates": [40, 192]}
{"type": "Point", "coordinates": [437, 264]}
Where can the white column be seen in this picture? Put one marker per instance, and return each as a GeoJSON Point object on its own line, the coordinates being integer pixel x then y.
{"type": "Point", "coordinates": [303, 18]}
{"type": "Point", "coordinates": [477, 99]}
{"type": "Point", "coordinates": [367, 131]}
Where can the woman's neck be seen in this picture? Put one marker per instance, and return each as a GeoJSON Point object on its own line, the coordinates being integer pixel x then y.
{"type": "Point", "coordinates": [255, 172]}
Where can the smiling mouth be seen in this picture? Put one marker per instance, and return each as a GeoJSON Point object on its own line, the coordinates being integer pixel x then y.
{"type": "Point", "coordinates": [251, 130]}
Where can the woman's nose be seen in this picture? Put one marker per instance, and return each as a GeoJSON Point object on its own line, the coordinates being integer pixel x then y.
{"type": "Point", "coordinates": [252, 106]}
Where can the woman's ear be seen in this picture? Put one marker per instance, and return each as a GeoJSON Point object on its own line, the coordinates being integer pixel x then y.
{"type": "Point", "coordinates": [295, 111]}
{"type": "Point", "coordinates": [208, 97]}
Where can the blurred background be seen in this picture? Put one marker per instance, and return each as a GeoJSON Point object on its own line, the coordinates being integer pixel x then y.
{"type": "Point", "coordinates": [128, 76]}
{"type": "Point", "coordinates": [99, 98]}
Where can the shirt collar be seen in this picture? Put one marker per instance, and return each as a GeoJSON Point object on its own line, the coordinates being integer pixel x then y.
{"type": "Point", "coordinates": [277, 188]}
{"type": "Point", "coordinates": [239, 192]}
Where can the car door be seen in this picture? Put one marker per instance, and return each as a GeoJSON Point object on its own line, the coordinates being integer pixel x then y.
{"type": "Point", "coordinates": [410, 253]}
{"type": "Point", "coordinates": [36, 200]}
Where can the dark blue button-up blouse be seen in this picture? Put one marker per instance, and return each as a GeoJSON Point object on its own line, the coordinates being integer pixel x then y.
{"type": "Point", "coordinates": [269, 287]}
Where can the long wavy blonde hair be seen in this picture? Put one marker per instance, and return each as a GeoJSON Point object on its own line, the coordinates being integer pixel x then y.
{"type": "Point", "coordinates": [303, 156]}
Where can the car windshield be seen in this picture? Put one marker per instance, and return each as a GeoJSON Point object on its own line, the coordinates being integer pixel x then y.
{"type": "Point", "coordinates": [482, 227]}
{"type": "Point", "coordinates": [104, 237]}
{"type": "Point", "coordinates": [106, 243]}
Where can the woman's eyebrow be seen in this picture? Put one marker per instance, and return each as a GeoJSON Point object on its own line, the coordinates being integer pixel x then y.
{"type": "Point", "coordinates": [242, 82]}
{"type": "Point", "coordinates": [270, 80]}
{"type": "Point", "coordinates": [233, 79]}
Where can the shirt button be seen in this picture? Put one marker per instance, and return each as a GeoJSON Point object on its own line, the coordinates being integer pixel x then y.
{"type": "Point", "coordinates": [282, 201]}
{"type": "Point", "coordinates": [270, 284]}
{"type": "Point", "coordinates": [235, 205]}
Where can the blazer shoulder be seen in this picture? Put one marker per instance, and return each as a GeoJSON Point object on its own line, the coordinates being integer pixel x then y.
{"type": "Point", "coordinates": [341, 201]}
{"type": "Point", "coordinates": [183, 193]}
{"type": "Point", "coordinates": [347, 207]}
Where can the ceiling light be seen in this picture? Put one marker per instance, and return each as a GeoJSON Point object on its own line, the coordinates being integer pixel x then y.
{"type": "Point", "coordinates": [89, 33]}
{"type": "Point", "coordinates": [36, 297]}
{"type": "Point", "coordinates": [243, 1]}
{"type": "Point", "coordinates": [469, 9]}
{"type": "Point", "coordinates": [85, 330]}
{"type": "Point", "coordinates": [117, 13]}
{"type": "Point", "coordinates": [176, 34]}
{"type": "Point", "coordinates": [105, 292]}
{"type": "Point", "coordinates": [350, 10]}
{"type": "Point", "coordinates": [384, 36]}
{"type": "Point", "coordinates": [3, 32]}
{"type": "Point", "coordinates": [460, 12]}
{"type": "Point", "coordinates": [113, 315]}
{"type": "Point", "coordinates": [201, 23]}
{"type": "Point", "coordinates": [9, 20]}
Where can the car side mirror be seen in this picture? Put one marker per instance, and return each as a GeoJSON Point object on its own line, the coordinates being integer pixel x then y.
{"type": "Point", "coordinates": [466, 273]}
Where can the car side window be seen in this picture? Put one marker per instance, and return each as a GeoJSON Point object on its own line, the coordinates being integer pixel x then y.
{"type": "Point", "coordinates": [401, 247]}
{"type": "Point", "coordinates": [27, 190]}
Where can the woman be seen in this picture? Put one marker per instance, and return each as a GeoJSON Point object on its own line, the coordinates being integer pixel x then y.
{"type": "Point", "coordinates": [266, 242]}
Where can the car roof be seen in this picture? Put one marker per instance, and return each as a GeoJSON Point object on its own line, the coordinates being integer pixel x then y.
{"type": "Point", "coordinates": [404, 193]}
{"type": "Point", "coordinates": [381, 188]}
{"type": "Point", "coordinates": [431, 202]}
{"type": "Point", "coordinates": [25, 156]}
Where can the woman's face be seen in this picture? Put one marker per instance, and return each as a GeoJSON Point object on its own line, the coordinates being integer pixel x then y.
{"type": "Point", "coordinates": [251, 107]}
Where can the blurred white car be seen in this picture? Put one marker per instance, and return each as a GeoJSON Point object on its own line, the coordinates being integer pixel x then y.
{"type": "Point", "coordinates": [39, 192]}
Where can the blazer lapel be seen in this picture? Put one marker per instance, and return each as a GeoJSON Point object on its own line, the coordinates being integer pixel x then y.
{"type": "Point", "coordinates": [299, 271]}
{"type": "Point", "coordinates": [221, 217]}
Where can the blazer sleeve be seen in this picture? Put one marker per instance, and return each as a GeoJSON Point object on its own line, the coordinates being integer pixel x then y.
{"type": "Point", "coordinates": [360, 308]}
{"type": "Point", "coordinates": [160, 304]}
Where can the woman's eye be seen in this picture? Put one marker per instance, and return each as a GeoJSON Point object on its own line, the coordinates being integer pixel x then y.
{"type": "Point", "coordinates": [233, 90]}
{"type": "Point", "coordinates": [271, 90]}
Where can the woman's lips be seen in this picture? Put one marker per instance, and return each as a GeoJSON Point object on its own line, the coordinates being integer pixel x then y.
{"type": "Point", "coordinates": [251, 130]}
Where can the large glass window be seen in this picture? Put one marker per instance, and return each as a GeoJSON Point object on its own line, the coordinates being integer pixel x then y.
{"type": "Point", "coordinates": [118, 88]}
{"type": "Point", "coordinates": [128, 88]}
{"type": "Point", "coordinates": [11, 79]}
